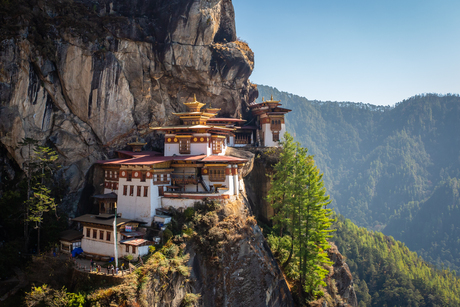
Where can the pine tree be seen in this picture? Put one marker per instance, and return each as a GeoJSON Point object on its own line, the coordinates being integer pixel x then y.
{"type": "Point", "coordinates": [299, 199]}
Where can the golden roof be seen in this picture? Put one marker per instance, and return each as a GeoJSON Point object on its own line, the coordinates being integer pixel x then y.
{"type": "Point", "coordinates": [194, 106]}
{"type": "Point", "coordinates": [137, 143]}
{"type": "Point", "coordinates": [271, 100]}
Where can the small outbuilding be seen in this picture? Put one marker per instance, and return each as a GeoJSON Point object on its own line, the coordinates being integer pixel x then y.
{"type": "Point", "coordinates": [69, 240]}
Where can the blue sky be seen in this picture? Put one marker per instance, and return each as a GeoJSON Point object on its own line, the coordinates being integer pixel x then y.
{"type": "Point", "coordinates": [371, 51]}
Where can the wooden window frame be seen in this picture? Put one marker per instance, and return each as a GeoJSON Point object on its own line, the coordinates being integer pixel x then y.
{"type": "Point", "coordinates": [146, 191]}
{"type": "Point", "coordinates": [101, 234]}
{"type": "Point", "coordinates": [127, 248]}
{"type": "Point", "coordinates": [131, 190]}
{"type": "Point", "coordinates": [143, 176]}
{"type": "Point", "coordinates": [129, 176]}
{"type": "Point", "coordinates": [88, 232]}
{"type": "Point", "coordinates": [275, 125]}
{"type": "Point", "coordinates": [94, 233]}
{"type": "Point", "coordinates": [217, 174]}
{"type": "Point", "coordinates": [108, 236]}
{"type": "Point", "coordinates": [217, 145]}
{"type": "Point", "coordinates": [184, 145]}
{"type": "Point", "coordinates": [276, 136]}
{"type": "Point", "coordinates": [139, 188]}
{"type": "Point", "coordinates": [125, 190]}
{"type": "Point", "coordinates": [133, 248]}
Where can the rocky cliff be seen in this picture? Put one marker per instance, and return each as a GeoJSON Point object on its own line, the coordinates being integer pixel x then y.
{"type": "Point", "coordinates": [85, 77]}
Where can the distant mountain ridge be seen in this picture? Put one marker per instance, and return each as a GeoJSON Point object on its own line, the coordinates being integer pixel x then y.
{"type": "Point", "coordinates": [383, 165]}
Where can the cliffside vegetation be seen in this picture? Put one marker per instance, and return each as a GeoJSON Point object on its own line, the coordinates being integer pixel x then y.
{"type": "Point", "coordinates": [387, 273]}
{"type": "Point", "coordinates": [301, 221]}
{"type": "Point", "coordinates": [391, 169]}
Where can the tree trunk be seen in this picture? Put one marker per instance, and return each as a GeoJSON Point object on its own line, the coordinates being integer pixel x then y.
{"type": "Point", "coordinates": [38, 240]}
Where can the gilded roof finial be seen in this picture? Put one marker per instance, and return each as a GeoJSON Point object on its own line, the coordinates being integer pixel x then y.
{"type": "Point", "coordinates": [263, 99]}
{"type": "Point", "coordinates": [241, 116]}
{"type": "Point", "coordinates": [194, 98]}
{"type": "Point", "coordinates": [271, 98]}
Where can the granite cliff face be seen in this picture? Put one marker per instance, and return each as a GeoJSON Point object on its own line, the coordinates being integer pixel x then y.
{"type": "Point", "coordinates": [85, 77]}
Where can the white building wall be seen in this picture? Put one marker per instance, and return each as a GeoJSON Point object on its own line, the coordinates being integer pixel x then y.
{"type": "Point", "coordinates": [99, 247]}
{"type": "Point", "coordinates": [199, 149]}
{"type": "Point", "coordinates": [177, 202]}
{"type": "Point", "coordinates": [283, 131]}
{"type": "Point", "coordinates": [137, 207]}
{"type": "Point", "coordinates": [236, 188]}
{"type": "Point", "coordinates": [170, 150]}
{"type": "Point", "coordinates": [268, 136]}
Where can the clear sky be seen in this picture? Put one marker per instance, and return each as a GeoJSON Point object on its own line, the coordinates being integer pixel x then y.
{"type": "Point", "coordinates": [371, 51]}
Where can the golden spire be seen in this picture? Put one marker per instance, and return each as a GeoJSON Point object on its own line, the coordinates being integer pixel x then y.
{"type": "Point", "coordinates": [195, 105]}
{"type": "Point", "coordinates": [263, 99]}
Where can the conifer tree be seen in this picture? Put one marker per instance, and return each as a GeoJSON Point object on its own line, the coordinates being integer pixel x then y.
{"type": "Point", "coordinates": [299, 199]}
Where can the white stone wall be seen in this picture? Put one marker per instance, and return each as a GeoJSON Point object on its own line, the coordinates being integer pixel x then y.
{"type": "Point", "coordinates": [283, 131]}
{"type": "Point", "coordinates": [96, 246]}
{"type": "Point", "coordinates": [199, 149]}
{"type": "Point", "coordinates": [177, 202]}
{"type": "Point", "coordinates": [137, 207]}
{"type": "Point", "coordinates": [268, 136]}
{"type": "Point", "coordinates": [170, 150]}
{"type": "Point", "coordinates": [195, 148]}
{"type": "Point", "coordinates": [106, 248]}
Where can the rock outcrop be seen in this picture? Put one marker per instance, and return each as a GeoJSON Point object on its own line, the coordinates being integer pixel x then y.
{"type": "Point", "coordinates": [341, 276]}
{"type": "Point", "coordinates": [244, 273]}
{"type": "Point", "coordinates": [85, 77]}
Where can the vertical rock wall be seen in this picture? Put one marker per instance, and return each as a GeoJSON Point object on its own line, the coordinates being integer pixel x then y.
{"type": "Point", "coordinates": [85, 77]}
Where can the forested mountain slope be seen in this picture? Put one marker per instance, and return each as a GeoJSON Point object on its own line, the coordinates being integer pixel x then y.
{"type": "Point", "coordinates": [383, 165]}
{"type": "Point", "coordinates": [386, 273]}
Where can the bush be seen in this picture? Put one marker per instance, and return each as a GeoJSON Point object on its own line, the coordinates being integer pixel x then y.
{"type": "Point", "coordinates": [189, 213]}
{"type": "Point", "coordinates": [167, 234]}
{"type": "Point", "coordinates": [190, 299]}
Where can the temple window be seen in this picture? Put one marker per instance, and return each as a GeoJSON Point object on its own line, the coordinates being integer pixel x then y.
{"type": "Point", "coordinates": [88, 232]}
{"type": "Point", "coordinates": [146, 191]}
{"type": "Point", "coordinates": [134, 249]}
{"type": "Point", "coordinates": [275, 125]}
{"type": "Point", "coordinates": [127, 248]}
{"type": "Point", "coordinates": [94, 234]}
{"type": "Point", "coordinates": [101, 235]}
{"type": "Point", "coordinates": [143, 177]}
{"type": "Point", "coordinates": [217, 174]}
{"type": "Point", "coordinates": [115, 174]}
{"type": "Point", "coordinates": [131, 190]}
{"type": "Point", "coordinates": [276, 136]}
{"type": "Point", "coordinates": [110, 174]}
{"type": "Point", "coordinates": [139, 190]}
{"type": "Point", "coordinates": [130, 176]}
{"type": "Point", "coordinates": [125, 190]}
{"type": "Point", "coordinates": [184, 146]}
{"type": "Point", "coordinates": [108, 236]}
{"type": "Point", "coordinates": [216, 146]}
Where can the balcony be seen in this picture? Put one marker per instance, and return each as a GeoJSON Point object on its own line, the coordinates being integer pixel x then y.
{"type": "Point", "coordinates": [184, 178]}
